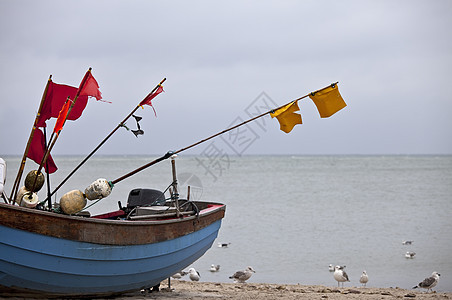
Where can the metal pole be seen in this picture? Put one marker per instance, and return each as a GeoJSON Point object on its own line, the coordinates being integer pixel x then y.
{"type": "Point", "coordinates": [175, 195]}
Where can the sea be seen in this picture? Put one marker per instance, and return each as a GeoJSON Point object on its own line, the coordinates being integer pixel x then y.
{"type": "Point", "coordinates": [290, 217]}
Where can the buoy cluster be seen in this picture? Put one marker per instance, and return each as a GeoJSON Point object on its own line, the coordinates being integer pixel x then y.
{"type": "Point", "coordinates": [71, 203]}
{"type": "Point", "coordinates": [27, 196]}
{"type": "Point", "coordinates": [74, 201]}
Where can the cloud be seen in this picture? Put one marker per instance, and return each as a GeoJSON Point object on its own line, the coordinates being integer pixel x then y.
{"type": "Point", "coordinates": [392, 60]}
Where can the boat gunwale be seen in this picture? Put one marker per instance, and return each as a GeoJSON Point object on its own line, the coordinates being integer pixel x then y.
{"type": "Point", "coordinates": [104, 231]}
{"type": "Point", "coordinates": [203, 212]}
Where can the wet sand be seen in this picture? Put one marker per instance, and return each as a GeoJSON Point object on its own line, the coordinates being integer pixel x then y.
{"type": "Point", "coordinates": [259, 291]}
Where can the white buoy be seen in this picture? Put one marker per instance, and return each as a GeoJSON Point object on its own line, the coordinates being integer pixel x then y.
{"type": "Point", "coordinates": [20, 194]}
{"type": "Point", "coordinates": [98, 189]}
{"type": "Point", "coordinates": [72, 202]}
{"type": "Point", "coordinates": [29, 200]}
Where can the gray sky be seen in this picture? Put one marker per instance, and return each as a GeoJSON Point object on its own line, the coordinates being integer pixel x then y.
{"type": "Point", "coordinates": [392, 60]}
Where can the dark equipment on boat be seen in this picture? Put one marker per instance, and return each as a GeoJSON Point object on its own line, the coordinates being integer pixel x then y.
{"type": "Point", "coordinates": [145, 197]}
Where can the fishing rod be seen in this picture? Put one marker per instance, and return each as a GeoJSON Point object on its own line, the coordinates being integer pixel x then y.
{"type": "Point", "coordinates": [170, 153]}
{"type": "Point", "coordinates": [121, 124]}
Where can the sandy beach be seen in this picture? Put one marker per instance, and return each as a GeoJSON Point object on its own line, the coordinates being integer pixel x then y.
{"type": "Point", "coordinates": [181, 289]}
{"type": "Point", "coordinates": [256, 291]}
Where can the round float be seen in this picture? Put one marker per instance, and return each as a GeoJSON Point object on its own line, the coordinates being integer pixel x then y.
{"type": "Point", "coordinates": [99, 189]}
{"type": "Point", "coordinates": [30, 180]}
{"type": "Point", "coordinates": [72, 202]}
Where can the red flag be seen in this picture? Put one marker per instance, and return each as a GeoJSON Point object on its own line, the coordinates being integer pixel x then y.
{"type": "Point", "coordinates": [90, 88]}
{"type": "Point", "coordinates": [148, 99]}
{"type": "Point", "coordinates": [55, 98]}
{"type": "Point", "coordinates": [62, 116]}
{"type": "Point", "coordinates": [37, 150]}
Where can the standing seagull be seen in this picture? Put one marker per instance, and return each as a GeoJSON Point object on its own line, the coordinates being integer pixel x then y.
{"type": "Point", "coordinates": [242, 276]}
{"type": "Point", "coordinates": [429, 282]}
{"type": "Point", "coordinates": [340, 275]}
{"type": "Point", "coordinates": [364, 278]}
{"type": "Point", "coordinates": [193, 274]}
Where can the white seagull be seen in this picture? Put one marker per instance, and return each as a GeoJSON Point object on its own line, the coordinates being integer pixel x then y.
{"type": "Point", "coordinates": [223, 245]}
{"type": "Point", "coordinates": [410, 254]}
{"type": "Point", "coordinates": [407, 242]}
{"type": "Point", "coordinates": [340, 275]}
{"type": "Point", "coordinates": [242, 276]}
{"type": "Point", "coordinates": [193, 274]}
{"type": "Point", "coordinates": [429, 282]}
{"type": "Point", "coordinates": [214, 268]}
{"type": "Point", "coordinates": [364, 278]}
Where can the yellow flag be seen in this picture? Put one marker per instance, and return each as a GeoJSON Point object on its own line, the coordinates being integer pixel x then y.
{"type": "Point", "coordinates": [287, 117]}
{"type": "Point", "coordinates": [328, 101]}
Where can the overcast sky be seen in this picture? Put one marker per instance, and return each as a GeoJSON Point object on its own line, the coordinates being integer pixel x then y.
{"type": "Point", "coordinates": [393, 61]}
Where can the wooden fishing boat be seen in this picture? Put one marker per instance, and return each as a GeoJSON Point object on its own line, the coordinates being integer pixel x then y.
{"type": "Point", "coordinates": [54, 250]}
{"type": "Point", "coordinates": [136, 247]}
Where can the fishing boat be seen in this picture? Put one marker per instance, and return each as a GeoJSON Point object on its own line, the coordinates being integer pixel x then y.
{"type": "Point", "coordinates": [133, 248]}
{"type": "Point", "coordinates": [58, 249]}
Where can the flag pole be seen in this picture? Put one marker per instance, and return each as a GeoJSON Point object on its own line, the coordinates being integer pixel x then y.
{"type": "Point", "coordinates": [27, 148]}
{"type": "Point", "coordinates": [170, 153]}
{"type": "Point", "coordinates": [121, 124]}
{"type": "Point", "coordinates": [49, 204]}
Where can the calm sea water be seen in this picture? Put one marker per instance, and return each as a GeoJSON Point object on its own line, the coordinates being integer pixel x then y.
{"type": "Point", "coordinates": [289, 217]}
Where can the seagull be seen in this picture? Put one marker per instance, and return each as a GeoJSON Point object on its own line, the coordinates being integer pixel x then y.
{"type": "Point", "coordinates": [179, 275]}
{"type": "Point", "coordinates": [193, 274]}
{"type": "Point", "coordinates": [429, 282]}
{"type": "Point", "coordinates": [340, 275]}
{"type": "Point", "coordinates": [410, 254]}
{"type": "Point", "coordinates": [364, 278]}
{"type": "Point", "coordinates": [242, 276]}
{"type": "Point", "coordinates": [214, 268]}
{"type": "Point", "coordinates": [223, 245]}
{"type": "Point", "coordinates": [407, 242]}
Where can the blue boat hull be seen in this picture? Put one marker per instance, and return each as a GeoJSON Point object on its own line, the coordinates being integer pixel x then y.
{"type": "Point", "coordinates": [45, 264]}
